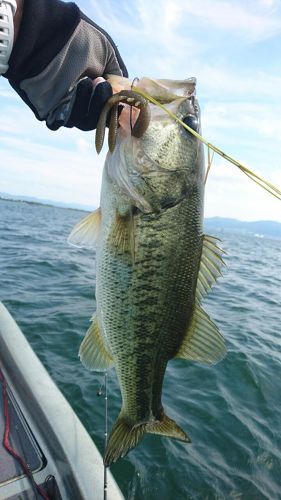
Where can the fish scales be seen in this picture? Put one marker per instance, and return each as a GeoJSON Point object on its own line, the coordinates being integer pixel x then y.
{"type": "Point", "coordinates": [149, 271]}
{"type": "Point", "coordinates": [149, 289]}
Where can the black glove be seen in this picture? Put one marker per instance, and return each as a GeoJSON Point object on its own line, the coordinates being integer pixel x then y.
{"type": "Point", "coordinates": [88, 104]}
{"type": "Point", "coordinates": [54, 61]}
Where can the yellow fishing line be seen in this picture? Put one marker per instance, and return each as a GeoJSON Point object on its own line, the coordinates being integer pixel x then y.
{"type": "Point", "coordinates": [210, 161]}
{"type": "Point", "coordinates": [261, 182]}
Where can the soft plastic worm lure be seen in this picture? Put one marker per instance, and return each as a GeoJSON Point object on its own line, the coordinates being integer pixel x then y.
{"type": "Point", "coordinates": [126, 97]}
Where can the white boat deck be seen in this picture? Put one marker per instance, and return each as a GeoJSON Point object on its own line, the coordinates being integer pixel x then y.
{"type": "Point", "coordinates": [51, 437]}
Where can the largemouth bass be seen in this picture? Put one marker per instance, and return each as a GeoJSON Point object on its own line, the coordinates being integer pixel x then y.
{"type": "Point", "coordinates": [153, 264]}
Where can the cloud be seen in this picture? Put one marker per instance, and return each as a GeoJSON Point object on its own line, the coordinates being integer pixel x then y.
{"type": "Point", "coordinates": [230, 193]}
{"type": "Point", "coordinates": [224, 81]}
{"type": "Point", "coordinates": [48, 172]}
{"type": "Point", "coordinates": [219, 42]}
{"type": "Point", "coordinates": [6, 93]}
{"type": "Point", "coordinates": [151, 30]}
{"type": "Point", "coordinates": [203, 38]}
{"type": "Point", "coordinates": [268, 3]}
{"type": "Point", "coordinates": [251, 120]}
{"type": "Point", "coordinates": [186, 28]}
{"type": "Point", "coordinates": [62, 166]}
{"type": "Point", "coordinates": [251, 21]}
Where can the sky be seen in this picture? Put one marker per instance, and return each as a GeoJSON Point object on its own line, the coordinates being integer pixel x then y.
{"type": "Point", "coordinates": [231, 47]}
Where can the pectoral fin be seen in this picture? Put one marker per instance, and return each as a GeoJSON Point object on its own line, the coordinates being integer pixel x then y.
{"type": "Point", "coordinates": [86, 232]}
{"type": "Point", "coordinates": [122, 234]}
{"type": "Point", "coordinates": [203, 341]}
{"type": "Point", "coordinates": [93, 353]}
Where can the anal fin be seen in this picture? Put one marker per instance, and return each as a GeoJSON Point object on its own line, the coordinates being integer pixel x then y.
{"type": "Point", "coordinates": [93, 353]}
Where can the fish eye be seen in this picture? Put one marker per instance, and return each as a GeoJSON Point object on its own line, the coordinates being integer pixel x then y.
{"type": "Point", "coordinates": [192, 122]}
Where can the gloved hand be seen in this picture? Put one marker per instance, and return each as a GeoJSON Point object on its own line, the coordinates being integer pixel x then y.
{"type": "Point", "coordinates": [88, 101]}
{"type": "Point", "coordinates": [92, 94]}
{"type": "Point", "coordinates": [55, 61]}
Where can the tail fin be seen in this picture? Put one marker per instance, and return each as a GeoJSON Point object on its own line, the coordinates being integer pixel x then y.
{"type": "Point", "coordinates": [125, 436]}
{"type": "Point", "coordinates": [167, 427]}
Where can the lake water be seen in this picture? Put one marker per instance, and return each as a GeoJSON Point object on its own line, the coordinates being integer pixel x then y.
{"type": "Point", "coordinates": [231, 411]}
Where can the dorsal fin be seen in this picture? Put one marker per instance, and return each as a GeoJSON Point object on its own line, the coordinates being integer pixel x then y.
{"type": "Point", "coordinates": [210, 266]}
{"type": "Point", "coordinates": [203, 341]}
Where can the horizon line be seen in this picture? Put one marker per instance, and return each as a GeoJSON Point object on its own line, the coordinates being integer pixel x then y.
{"type": "Point", "coordinates": [88, 208]}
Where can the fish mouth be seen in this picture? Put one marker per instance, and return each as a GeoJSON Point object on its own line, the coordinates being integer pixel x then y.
{"type": "Point", "coordinates": [124, 97]}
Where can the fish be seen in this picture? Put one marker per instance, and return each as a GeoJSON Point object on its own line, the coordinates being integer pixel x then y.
{"type": "Point", "coordinates": [154, 264]}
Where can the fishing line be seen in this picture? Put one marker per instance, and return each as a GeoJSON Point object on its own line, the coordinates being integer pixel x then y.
{"type": "Point", "coordinates": [270, 188]}
{"type": "Point", "coordinates": [210, 161]}
{"type": "Point", "coordinates": [100, 392]}
{"type": "Point", "coordinates": [105, 435]}
{"type": "Point", "coordinates": [134, 82]}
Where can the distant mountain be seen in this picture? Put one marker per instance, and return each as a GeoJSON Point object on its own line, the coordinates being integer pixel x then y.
{"type": "Point", "coordinates": [259, 227]}
{"type": "Point", "coordinates": [32, 199]}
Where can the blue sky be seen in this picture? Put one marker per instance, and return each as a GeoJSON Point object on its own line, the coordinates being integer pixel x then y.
{"type": "Point", "coordinates": [233, 49]}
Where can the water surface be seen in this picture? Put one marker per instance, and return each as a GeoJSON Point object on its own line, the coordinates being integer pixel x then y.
{"type": "Point", "coordinates": [231, 411]}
